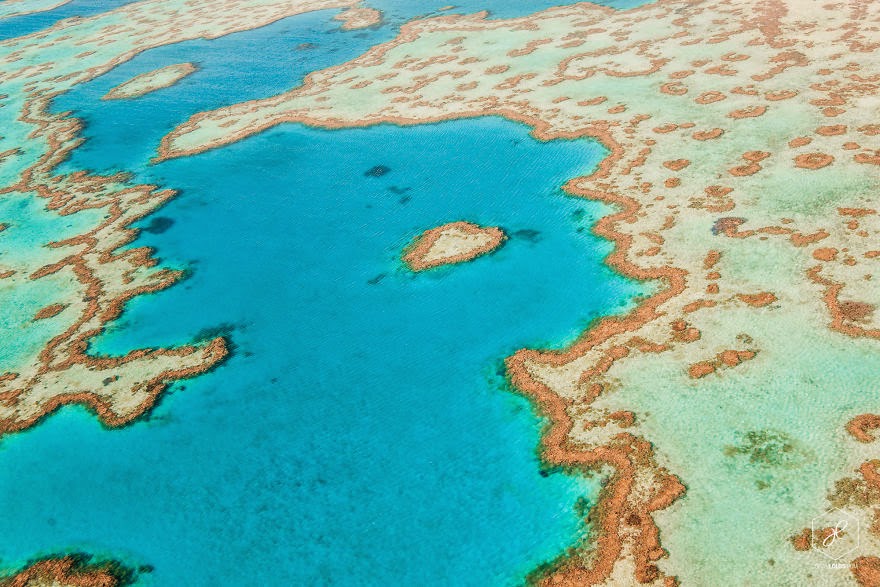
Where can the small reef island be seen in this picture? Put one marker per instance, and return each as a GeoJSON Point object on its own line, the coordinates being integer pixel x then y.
{"type": "Point", "coordinates": [151, 81]}
{"type": "Point", "coordinates": [70, 571]}
{"type": "Point", "coordinates": [358, 17]}
{"type": "Point", "coordinates": [455, 242]}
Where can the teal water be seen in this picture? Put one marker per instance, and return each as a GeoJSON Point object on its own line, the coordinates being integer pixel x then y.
{"type": "Point", "coordinates": [25, 24]}
{"type": "Point", "coordinates": [361, 433]}
{"type": "Point", "coordinates": [361, 424]}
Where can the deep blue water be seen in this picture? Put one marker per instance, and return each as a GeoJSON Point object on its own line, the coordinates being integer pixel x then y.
{"type": "Point", "coordinates": [361, 433]}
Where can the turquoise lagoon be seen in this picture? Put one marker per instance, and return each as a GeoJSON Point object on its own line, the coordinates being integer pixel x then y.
{"type": "Point", "coordinates": [361, 433]}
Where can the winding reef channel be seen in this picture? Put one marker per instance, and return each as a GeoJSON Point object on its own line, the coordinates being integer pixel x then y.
{"type": "Point", "coordinates": [728, 415]}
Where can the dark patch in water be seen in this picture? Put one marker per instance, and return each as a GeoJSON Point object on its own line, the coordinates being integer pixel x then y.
{"type": "Point", "coordinates": [582, 507]}
{"type": "Point", "coordinates": [376, 279]}
{"type": "Point", "coordinates": [405, 200]}
{"type": "Point", "coordinates": [377, 171]}
{"type": "Point", "coordinates": [727, 224]}
{"type": "Point", "coordinates": [769, 448]}
{"type": "Point", "coordinates": [548, 470]}
{"type": "Point", "coordinates": [399, 191]}
{"type": "Point", "coordinates": [528, 234]}
{"type": "Point", "coordinates": [226, 329]}
{"type": "Point", "coordinates": [159, 224]}
{"type": "Point", "coordinates": [305, 46]}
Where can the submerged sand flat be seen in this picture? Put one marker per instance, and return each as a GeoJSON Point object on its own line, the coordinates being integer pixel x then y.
{"type": "Point", "coordinates": [745, 148]}
{"type": "Point", "coordinates": [151, 81]}
{"type": "Point", "coordinates": [358, 17]}
{"type": "Point", "coordinates": [12, 8]}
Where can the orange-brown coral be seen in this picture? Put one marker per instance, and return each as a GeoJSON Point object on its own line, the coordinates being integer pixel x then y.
{"type": "Point", "coordinates": [69, 571]}
{"type": "Point", "coordinates": [471, 241]}
{"type": "Point", "coordinates": [861, 426]}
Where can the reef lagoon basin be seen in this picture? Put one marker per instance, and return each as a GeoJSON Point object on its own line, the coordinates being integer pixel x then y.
{"type": "Point", "coordinates": [363, 420]}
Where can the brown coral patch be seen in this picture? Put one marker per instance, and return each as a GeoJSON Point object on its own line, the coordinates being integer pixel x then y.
{"type": "Point", "coordinates": [866, 570]}
{"type": "Point", "coordinates": [593, 101]}
{"type": "Point", "coordinates": [707, 135]}
{"type": "Point", "coordinates": [803, 541]}
{"type": "Point", "coordinates": [717, 191]}
{"type": "Point", "coordinates": [744, 170]}
{"type": "Point", "coordinates": [856, 212]}
{"type": "Point", "coordinates": [676, 164]}
{"type": "Point", "coordinates": [674, 89]}
{"type": "Point", "coordinates": [49, 311]}
{"type": "Point", "coordinates": [801, 240]}
{"type": "Point", "coordinates": [750, 112]}
{"type": "Point", "coordinates": [701, 369]}
{"type": "Point", "coordinates": [825, 254]}
{"type": "Point", "coordinates": [780, 95]}
{"type": "Point", "coordinates": [867, 158]}
{"type": "Point", "coordinates": [861, 426]}
{"type": "Point", "coordinates": [757, 300]}
{"type": "Point", "coordinates": [840, 320]}
{"type": "Point", "coordinates": [698, 305]}
{"type": "Point", "coordinates": [725, 359]}
{"type": "Point", "coordinates": [832, 130]}
{"type": "Point", "coordinates": [755, 156]}
{"type": "Point", "coordinates": [813, 160]}
{"type": "Point", "coordinates": [711, 259]}
{"type": "Point", "coordinates": [665, 128]}
{"type": "Point", "coordinates": [856, 311]}
{"type": "Point", "coordinates": [497, 69]}
{"type": "Point", "coordinates": [709, 97]}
